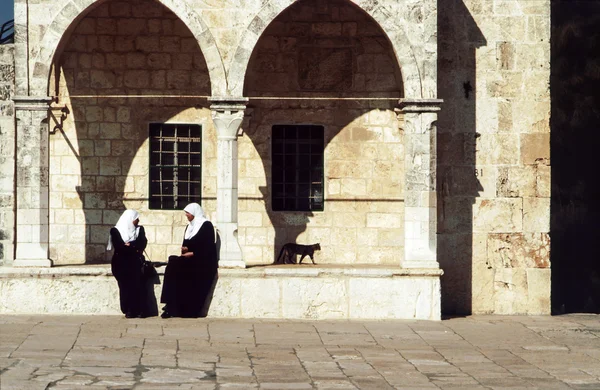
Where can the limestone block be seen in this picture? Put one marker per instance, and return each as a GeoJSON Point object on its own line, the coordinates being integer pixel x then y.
{"type": "Point", "coordinates": [250, 218]}
{"type": "Point", "coordinates": [321, 235]}
{"type": "Point", "coordinates": [497, 215]}
{"type": "Point", "coordinates": [260, 298]}
{"type": "Point", "coordinates": [538, 28]}
{"type": "Point", "coordinates": [505, 84]}
{"type": "Point", "coordinates": [353, 187]}
{"type": "Point", "coordinates": [256, 236]}
{"type": "Point", "coordinates": [343, 236]}
{"type": "Point", "coordinates": [110, 166]}
{"type": "Point", "coordinates": [95, 201]}
{"type": "Point", "coordinates": [59, 233]}
{"type": "Point", "coordinates": [390, 237]}
{"type": "Point", "coordinates": [380, 255]}
{"type": "Point", "coordinates": [227, 298]}
{"type": "Point", "coordinates": [312, 299]}
{"type": "Point", "coordinates": [76, 234]}
{"type": "Point", "coordinates": [384, 220]}
{"type": "Point", "coordinates": [110, 130]}
{"type": "Point", "coordinates": [510, 291]}
{"type": "Point", "coordinates": [497, 149]}
{"type": "Point", "coordinates": [386, 299]}
{"type": "Point", "coordinates": [543, 181]}
{"type": "Point", "coordinates": [519, 250]}
{"type": "Point", "coordinates": [535, 148]}
{"type": "Point", "coordinates": [253, 254]}
{"type": "Point", "coordinates": [487, 116]}
{"type": "Point", "coordinates": [536, 214]}
{"type": "Point", "coordinates": [538, 291]}
{"type": "Point", "coordinates": [515, 182]}
{"type": "Point", "coordinates": [53, 296]}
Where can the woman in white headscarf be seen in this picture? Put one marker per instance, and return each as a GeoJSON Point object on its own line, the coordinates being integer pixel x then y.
{"type": "Point", "coordinates": [190, 277]}
{"type": "Point", "coordinates": [128, 239]}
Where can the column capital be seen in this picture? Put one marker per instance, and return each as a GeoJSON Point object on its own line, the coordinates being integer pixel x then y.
{"type": "Point", "coordinates": [32, 103]}
{"type": "Point", "coordinates": [419, 105]}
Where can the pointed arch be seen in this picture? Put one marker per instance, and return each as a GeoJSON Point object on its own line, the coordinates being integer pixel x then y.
{"type": "Point", "coordinates": [74, 10]}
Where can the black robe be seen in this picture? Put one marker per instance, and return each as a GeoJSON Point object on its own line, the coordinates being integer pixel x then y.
{"type": "Point", "coordinates": [126, 267]}
{"type": "Point", "coordinates": [189, 281]}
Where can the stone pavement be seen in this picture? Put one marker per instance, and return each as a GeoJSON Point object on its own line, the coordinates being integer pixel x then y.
{"type": "Point", "coordinates": [478, 352]}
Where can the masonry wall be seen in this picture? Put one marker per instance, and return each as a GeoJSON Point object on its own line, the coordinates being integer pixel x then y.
{"type": "Point", "coordinates": [493, 137]}
{"type": "Point", "coordinates": [7, 153]}
{"type": "Point", "coordinates": [493, 156]}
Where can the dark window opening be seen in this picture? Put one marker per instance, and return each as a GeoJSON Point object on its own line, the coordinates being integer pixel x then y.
{"type": "Point", "coordinates": [175, 165]}
{"type": "Point", "coordinates": [297, 168]}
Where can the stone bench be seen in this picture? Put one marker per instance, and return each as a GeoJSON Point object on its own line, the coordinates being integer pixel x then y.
{"type": "Point", "coordinates": [281, 291]}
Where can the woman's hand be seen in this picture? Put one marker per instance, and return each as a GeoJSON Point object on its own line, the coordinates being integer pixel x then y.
{"type": "Point", "coordinates": [184, 249]}
{"type": "Point", "coordinates": [188, 254]}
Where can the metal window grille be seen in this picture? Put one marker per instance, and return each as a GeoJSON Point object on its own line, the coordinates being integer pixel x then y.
{"type": "Point", "coordinates": [297, 168]}
{"type": "Point", "coordinates": [175, 165]}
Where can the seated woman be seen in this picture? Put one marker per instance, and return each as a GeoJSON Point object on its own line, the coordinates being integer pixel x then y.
{"type": "Point", "coordinates": [129, 241]}
{"type": "Point", "coordinates": [189, 278]}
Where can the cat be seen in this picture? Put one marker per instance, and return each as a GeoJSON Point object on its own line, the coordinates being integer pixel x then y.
{"type": "Point", "coordinates": [290, 250]}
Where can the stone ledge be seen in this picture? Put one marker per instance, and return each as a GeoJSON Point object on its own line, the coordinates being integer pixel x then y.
{"type": "Point", "coordinates": [365, 271]}
{"type": "Point", "coordinates": [288, 291]}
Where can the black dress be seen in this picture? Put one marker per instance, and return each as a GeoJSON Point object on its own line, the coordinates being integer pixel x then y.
{"type": "Point", "coordinates": [126, 267]}
{"type": "Point", "coordinates": [189, 281]}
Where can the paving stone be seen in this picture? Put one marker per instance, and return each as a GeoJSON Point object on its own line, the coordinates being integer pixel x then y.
{"type": "Point", "coordinates": [452, 354]}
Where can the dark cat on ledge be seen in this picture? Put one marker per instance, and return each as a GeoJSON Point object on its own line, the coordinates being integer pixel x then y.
{"type": "Point", "coordinates": [290, 251]}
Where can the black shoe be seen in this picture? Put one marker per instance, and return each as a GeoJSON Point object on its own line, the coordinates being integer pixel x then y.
{"type": "Point", "coordinates": [165, 314]}
{"type": "Point", "coordinates": [130, 315]}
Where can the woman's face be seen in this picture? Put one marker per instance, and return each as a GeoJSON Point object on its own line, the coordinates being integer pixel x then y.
{"type": "Point", "coordinates": [136, 221]}
{"type": "Point", "coordinates": [189, 216]}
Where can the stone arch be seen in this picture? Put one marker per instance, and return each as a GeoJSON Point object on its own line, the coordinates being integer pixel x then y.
{"type": "Point", "coordinates": [404, 51]}
{"type": "Point", "coordinates": [74, 10]}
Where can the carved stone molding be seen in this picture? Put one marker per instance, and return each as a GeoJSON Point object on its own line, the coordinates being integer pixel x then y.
{"type": "Point", "coordinates": [32, 103]}
{"type": "Point", "coordinates": [419, 105]}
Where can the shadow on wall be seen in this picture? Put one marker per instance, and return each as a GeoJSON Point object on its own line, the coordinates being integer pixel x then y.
{"type": "Point", "coordinates": [107, 54]}
{"type": "Point", "coordinates": [574, 145]}
{"type": "Point", "coordinates": [307, 52]}
{"type": "Point", "coordinates": [458, 180]}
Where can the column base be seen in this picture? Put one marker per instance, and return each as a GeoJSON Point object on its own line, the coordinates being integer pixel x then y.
{"type": "Point", "coordinates": [32, 263]}
{"type": "Point", "coordinates": [424, 264]}
{"type": "Point", "coordinates": [230, 253]}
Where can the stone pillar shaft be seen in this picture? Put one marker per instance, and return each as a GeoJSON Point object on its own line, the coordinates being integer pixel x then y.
{"type": "Point", "coordinates": [420, 212]}
{"type": "Point", "coordinates": [228, 115]}
{"type": "Point", "coordinates": [32, 176]}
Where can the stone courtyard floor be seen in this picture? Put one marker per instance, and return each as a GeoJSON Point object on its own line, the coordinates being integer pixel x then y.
{"type": "Point", "coordinates": [477, 352]}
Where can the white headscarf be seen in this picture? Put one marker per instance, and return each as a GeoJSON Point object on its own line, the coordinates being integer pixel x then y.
{"type": "Point", "coordinates": [126, 228]}
{"type": "Point", "coordinates": [194, 226]}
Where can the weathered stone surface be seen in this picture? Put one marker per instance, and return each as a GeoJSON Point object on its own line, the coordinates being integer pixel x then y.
{"type": "Point", "coordinates": [308, 292]}
{"type": "Point", "coordinates": [518, 250]}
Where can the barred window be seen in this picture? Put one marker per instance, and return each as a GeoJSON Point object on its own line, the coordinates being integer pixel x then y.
{"type": "Point", "coordinates": [297, 168]}
{"type": "Point", "coordinates": [175, 165]}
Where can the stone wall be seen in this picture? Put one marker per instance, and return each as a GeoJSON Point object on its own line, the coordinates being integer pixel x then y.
{"type": "Point", "coordinates": [7, 153]}
{"type": "Point", "coordinates": [493, 153]}
{"type": "Point", "coordinates": [493, 168]}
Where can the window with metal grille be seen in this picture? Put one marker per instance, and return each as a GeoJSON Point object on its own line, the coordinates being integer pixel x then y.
{"type": "Point", "coordinates": [297, 168]}
{"type": "Point", "coordinates": [175, 165]}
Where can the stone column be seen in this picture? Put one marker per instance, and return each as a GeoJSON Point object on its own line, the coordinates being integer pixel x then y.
{"type": "Point", "coordinates": [227, 115]}
{"type": "Point", "coordinates": [32, 175]}
{"type": "Point", "coordinates": [420, 212]}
